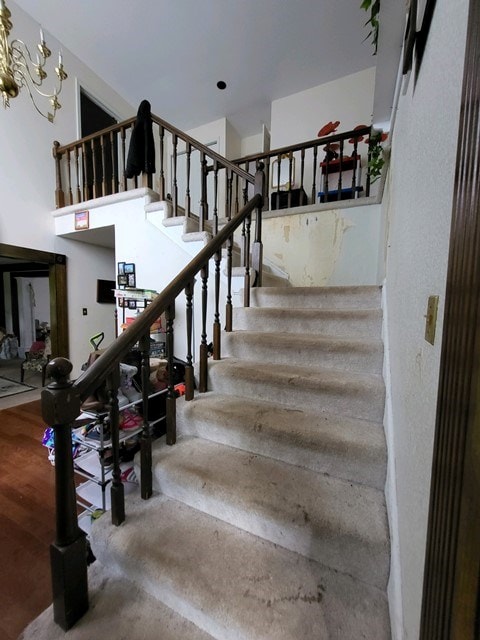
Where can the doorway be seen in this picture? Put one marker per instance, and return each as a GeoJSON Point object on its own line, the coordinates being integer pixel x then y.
{"type": "Point", "coordinates": [53, 266]}
{"type": "Point", "coordinates": [101, 156]}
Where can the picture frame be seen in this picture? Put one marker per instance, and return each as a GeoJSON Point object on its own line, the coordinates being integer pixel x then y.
{"type": "Point", "coordinates": [131, 280]}
{"type": "Point", "coordinates": [132, 304]}
{"type": "Point", "coordinates": [129, 267]}
{"type": "Point", "coordinates": [121, 302]}
{"type": "Point", "coordinates": [121, 268]}
{"type": "Point", "coordinates": [82, 220]}
{"type": "Point", "coordinates": [122, 280]}
{"type": "Point", "coordinates": [419, 19]}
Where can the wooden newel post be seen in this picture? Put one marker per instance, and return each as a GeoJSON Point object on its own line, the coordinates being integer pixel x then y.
{"type": "Point", "coordinates": [68, 554]}
{"type": "Point", "coordinates": [257, 247]}
{"type": "Point", "coordinates": [59, 194]}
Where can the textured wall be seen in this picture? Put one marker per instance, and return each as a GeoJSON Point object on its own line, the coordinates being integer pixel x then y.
{"type": "Point", "coordinates": [419, 205]}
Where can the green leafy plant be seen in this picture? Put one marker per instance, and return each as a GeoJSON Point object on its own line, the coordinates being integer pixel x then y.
{"type": "Point", "coordinates": [372, 6]}
{"type": "Point", "coordinates": [376, 158]}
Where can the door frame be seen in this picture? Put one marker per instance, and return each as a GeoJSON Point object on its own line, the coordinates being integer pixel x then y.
{"type": "Point", "coordinates": [451, 590]}
{"type": "Point", "coordinates": [57, 278]}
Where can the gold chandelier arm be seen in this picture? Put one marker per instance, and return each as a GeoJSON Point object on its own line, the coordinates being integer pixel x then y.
{"type": "Point", "coordinates": [18, 69]}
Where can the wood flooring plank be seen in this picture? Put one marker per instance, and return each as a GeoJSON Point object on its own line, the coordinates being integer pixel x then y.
{"type": "Point", "coordinates": [27, 518]}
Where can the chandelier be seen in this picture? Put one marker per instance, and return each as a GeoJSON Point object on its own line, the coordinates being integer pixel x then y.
{"type": "Point", "coordinates": [18, 69]}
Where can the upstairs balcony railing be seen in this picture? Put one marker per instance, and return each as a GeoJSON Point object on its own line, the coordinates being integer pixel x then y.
{"type": "Point", "coordinates": [201, 184]}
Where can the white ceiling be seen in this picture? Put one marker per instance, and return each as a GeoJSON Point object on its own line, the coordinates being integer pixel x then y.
{"type": "Point", "coordinates": [173, 52]}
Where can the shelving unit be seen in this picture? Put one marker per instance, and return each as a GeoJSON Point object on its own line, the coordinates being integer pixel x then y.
{"type": "Point", "coordinates": [92, 494]}
{"type": "Point", "coordinates": [350, 188]}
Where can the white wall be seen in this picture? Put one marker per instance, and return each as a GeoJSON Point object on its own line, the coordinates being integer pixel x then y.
{"type": "Point", "coordinates": [298, 118]}
{"type": "Point", "coordinates": [85, 264]}
{"type": "Point", "coordinates": [27, 179]}
{"type": "Point", "coordinates": [333, 247]}
{"type": "Point", "coordinates": [418, 204]}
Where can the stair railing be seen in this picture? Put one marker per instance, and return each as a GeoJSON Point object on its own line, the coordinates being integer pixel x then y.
{"type": "Point", "coordinates": [325, 169]}
{"type": "Point", "coordinates": [197, 180]}
{"type": "Point", "coordinates": [202, 185]}
{"type": "Point", "coordinates": [62, 399]}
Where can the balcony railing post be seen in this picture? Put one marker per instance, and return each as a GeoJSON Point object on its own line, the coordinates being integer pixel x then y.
{"type": "Point", "coordinates": [257, 247]}
{"type": "Point", "coordinates": [59, 194]}
{"type": "Point", "coordinates": [68, 554]}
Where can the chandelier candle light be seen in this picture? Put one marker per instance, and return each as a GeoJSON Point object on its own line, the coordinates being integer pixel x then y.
{"type": "Point", "coordinates": [18, 69]}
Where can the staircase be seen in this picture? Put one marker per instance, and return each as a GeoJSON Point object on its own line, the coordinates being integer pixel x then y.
{"type": "Point", "coordinates": [269, 519]}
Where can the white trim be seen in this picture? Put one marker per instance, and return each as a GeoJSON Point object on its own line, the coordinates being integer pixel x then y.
{"type": "Point", "coordinates": [394, 589]}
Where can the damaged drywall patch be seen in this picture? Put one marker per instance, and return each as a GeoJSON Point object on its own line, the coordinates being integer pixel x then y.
{"type": "Point", "coordinates": [306, 246]}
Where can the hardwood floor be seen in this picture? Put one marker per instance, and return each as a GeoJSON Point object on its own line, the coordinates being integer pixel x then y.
{"type": "Point", "coordinates": [27, 518]}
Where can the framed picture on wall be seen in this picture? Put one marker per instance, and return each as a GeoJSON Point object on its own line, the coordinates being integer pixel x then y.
{"type": "Point", "coordinates": [130, 280]}
{"type": "Point", "coordinates": [121, 302]}
{"type": "Point", "coordinates": [121, 268]}
{"type": "Point", "coordinates": [129, 267]}
{"type": "Point", "coordinates": [132, 304]}
{"type": "Point", "coordinates": [122, 281]}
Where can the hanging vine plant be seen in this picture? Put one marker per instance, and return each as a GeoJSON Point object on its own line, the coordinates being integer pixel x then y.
{"type": "Point", "coordinates": [376, 158]}
{"type": "Point", "coordinates": [372, 6]}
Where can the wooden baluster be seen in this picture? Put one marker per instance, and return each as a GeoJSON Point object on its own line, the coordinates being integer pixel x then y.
{"type": "Point", "coordinates": [171, 437]}
{"type": "Point", "coordinates": [117, 491]}
{"type": "Point", "coordinates": [202, 386]}
{"type": "Point", "coordinates": [257, 248]}
{"type": "Point", "coordinates": [216, 322]}
{"type": "Point", "coordinates": [290, 176]}
{"type": "Point", "coordinates": [215, 198]}
{"type": "Point", "coordinates": [174, 176]}
{"type": "Point", "coordinates": [302, 175]}
{"type": "Point", "coordinates": [354, 172]}
{"type": "Point", "coordinates": [279, 162]}
{"type": "Point", "coordinates": [237, 189]}
{"type": "Point", "coordinates": [77, 173]}
{"type": "Point", "coordinates": [229, 307]}
{"type": "Point", "coordinates": [68, 554]}
{"type": "Point", "coordinates": [114, 186]}
{"type": "Point", "coordinates": [124, 177]}
{"type": "Point", "coordinates": [246, 291]}
{"type": "Point", "coordinates": [266, 204]}
{"type": "Point", "coordinates": [369, 157]}
{"type": "Point", "coordinates": [104, 173]}
{"type": "Point", "coordinates": [95, 193]}
{"type": "Point", "coordinates": [189, 382]}
{"type": "Point", "coordinates": [188, 202]}
{"type": "Point", "coordinates": [59, 195]}
{"type": "Point", "coordinates": [245, 185]}
{"type": "Point", "coordinates": [85, 177]}
{"type": "Point", "coordinates": [326, 169]}
{"type": "Point", "coordinates": [203, 194]}
{"type": "Point", "coordinates": [69, 178]}
{"type": "Point", "coordinates": [315, 169]}
{"type": "Point", "coordinates": [146, 437]}
{"type": "Point", "coordinates": [340, 170]}
{"type": "Point", "coordinates": [230, 194]}
{"type": "Point", "coordinates": [161, 186]}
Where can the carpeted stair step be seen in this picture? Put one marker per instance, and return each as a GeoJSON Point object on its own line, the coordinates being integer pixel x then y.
{"type": "Point", "coordinates": [332, 322]}
{"type": "Point", "coordinates": [341, 447]}
{"type": "Point", "coordinates": [232, 584]}
{"type": "Point", "coordinates": [359, 354]}
{"type": "Point", "coordinates": [333, 521]}
{"type": "Point", "coordinates": [119, 609]}
{"type": "Point", "coordinates": [366, 297]}
{"type": "Point", "coordinates": [347, 393]}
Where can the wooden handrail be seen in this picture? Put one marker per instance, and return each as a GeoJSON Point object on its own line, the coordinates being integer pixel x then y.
{"type": "Point", "coordinates": [316, 142]}
{"type": "Point", "coordinates": [61, 149]}
{"type": "Point", "coordinates": [89, 380]}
